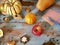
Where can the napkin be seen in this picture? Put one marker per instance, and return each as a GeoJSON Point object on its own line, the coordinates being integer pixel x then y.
{"type": "Point", "coordinates": [53, 14]}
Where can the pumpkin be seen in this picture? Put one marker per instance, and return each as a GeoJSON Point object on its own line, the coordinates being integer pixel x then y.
{"type": "Point", "coordinates": [1, 33]}
{"type": "Point", "coordinates": [12, 7]}
{"type": "Point", "coordinates": [43, 4]}
{"type": "Point", "coordinates": [11, 42]}
{"type": "Point", "coordinates": [6, 19]}
{"type": "Point", "coordinates": [30, 18]}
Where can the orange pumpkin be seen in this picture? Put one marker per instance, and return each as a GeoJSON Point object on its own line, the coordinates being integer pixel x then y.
{"type": "Point", "coordinates": [11, 43]}
{"type": "Point", "coordinates": [44, 4]}
{"type": "Point", "coordinates": [30, 18]}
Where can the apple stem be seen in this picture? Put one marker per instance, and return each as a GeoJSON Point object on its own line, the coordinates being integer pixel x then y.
{"type": "Point", "coordinates": [38, 27]}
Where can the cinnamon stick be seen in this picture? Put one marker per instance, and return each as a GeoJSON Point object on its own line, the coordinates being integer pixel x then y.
{"type": "Point", "coordinates": [25, 3]}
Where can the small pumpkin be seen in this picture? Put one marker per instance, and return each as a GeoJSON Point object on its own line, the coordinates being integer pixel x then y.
{"type": "Point", "coordinates": [12, 7]}
{"type": "Point", "coordinates": [6, 19]}
{"type": "Point", "coordinates": [11, 42]}
{"type": "Point", "coordinates": [1, 33]}
{"type": "Point", "coordinates": [30, 18]}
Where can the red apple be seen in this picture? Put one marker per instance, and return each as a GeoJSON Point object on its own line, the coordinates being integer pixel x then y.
{"type": "Point", "coordinates": [37, 30]}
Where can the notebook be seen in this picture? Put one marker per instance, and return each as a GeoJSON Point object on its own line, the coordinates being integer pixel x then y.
{"type": "Point", "coordinates": [53, 14]}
